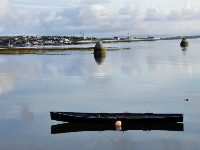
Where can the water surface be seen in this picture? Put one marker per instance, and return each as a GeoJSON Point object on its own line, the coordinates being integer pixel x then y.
{"type": "Point", "coordinates": [149, 77]}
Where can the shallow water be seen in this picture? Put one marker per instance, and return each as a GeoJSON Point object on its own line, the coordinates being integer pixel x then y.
{"type": "Point", "coordinates": [149, 77]}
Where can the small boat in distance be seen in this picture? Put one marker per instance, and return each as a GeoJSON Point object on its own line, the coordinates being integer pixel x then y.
{"type": "Point", "coordinates": [113, 117]}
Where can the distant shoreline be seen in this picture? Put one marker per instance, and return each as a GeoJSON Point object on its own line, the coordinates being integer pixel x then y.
{"type": "Point", "coordinates": [6, 50]}
{"type": "Point", "coordinates": [18, 42]}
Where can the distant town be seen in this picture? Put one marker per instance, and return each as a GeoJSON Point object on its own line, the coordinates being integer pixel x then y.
{"type": "Point", "coordinates": [25, 41]}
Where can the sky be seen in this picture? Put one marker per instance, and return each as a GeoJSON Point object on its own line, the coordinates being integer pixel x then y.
{"type": "Point", "coordinates": [99, 18]}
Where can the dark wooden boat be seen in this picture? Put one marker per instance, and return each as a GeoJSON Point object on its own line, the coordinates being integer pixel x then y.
{"type": "Point", "coordinates": [80, 127]}
{"type": "Point", "coordinates": [113, 117]}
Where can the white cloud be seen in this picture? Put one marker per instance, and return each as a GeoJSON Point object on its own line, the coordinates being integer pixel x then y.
{"type": "Point", "coordinates": [92, 2]}
{"type": "Point", "coordinates": [154, 14]}
{"type": "Point", "coordinates": [1, 29]}
{"type": "Point", "coordinates": [188, 4]}
{"type": "Point", "coordinates": [96, 17]}
{"type": "Point", "coordinates": [180, 14]}
{"type": "Point", "coordinates": [130, 8]}
{"type": "Point", "coordinates": [186, 13]}
{"type": "Point", "coordinates": [7, 12]}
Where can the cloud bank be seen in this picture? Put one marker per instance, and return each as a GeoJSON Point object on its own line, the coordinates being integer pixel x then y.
{"type": "Point", "coordinates": [97, 18]}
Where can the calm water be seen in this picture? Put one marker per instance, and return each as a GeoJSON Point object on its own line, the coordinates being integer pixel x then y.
{"type": "Point", "coordinates": [150, 76]}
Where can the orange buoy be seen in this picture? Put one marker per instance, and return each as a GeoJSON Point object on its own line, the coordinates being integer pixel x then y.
{"type": "Point", "coordinates": [118, 124]}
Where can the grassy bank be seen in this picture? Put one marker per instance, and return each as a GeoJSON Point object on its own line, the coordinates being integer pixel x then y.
{"type": "Point", "coordinates": [48, 51]}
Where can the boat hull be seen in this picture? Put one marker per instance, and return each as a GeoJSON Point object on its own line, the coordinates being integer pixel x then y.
{"type": "Point", "coordinates": [113, 117]}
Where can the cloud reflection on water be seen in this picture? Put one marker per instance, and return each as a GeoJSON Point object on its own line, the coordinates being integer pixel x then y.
{"type": "Point", "coordinates": [26, 114]}
{"type": "Point", "coordinates": [155, 78]}
{"type": "Point", "coordinates": [7, 82]}
{"type": "Point", "coordinates": [124, 75]}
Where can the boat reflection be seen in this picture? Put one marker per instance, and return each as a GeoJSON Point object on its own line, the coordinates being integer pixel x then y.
{"type": "Point", "coordinates": [79, 127]}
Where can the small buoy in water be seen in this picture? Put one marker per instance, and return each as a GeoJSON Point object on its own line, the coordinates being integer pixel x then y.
{"type": "Point", "coordinates": [186, 99]}
{"type": "Point", "coordinates": [118, 124]}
